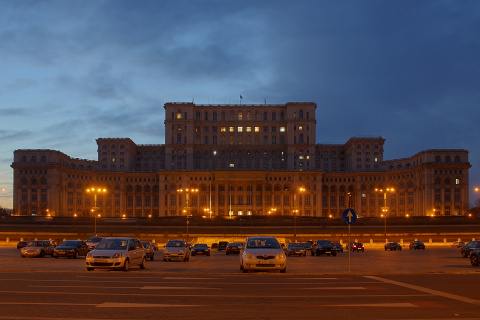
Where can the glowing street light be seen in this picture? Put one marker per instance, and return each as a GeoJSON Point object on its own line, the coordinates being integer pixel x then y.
{"type": "Point", "coordinates": [94, 210]}
{"type": "Point", "coordinates": [385, 208]}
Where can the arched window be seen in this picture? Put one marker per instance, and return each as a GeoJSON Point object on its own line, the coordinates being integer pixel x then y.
{"type": "Point", "coordinates": [300, 138]}
{"type": "Point", "coordinates": [214, 116]}
{"type": "Point", "coordinates": [43, 159]}
{"type": "Point", "coordinates": [197, 116]}
{"type": "Point", "coordinates": [437, 159]}
{"type": "Point", "coordinates": [265, 116]}
{"type": "Point", "coordinates": [274, 116]}
{"type": "Point", "coordinates": [179, 138]}
{"type": "Point", "coordinates": [447, 159]}
{"type": "Point", "coordinates": [300, 114]}
{"type": "Point", "coordinates": [457, 159]}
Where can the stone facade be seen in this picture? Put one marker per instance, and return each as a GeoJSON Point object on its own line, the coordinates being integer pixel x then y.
{"type": "Point", "coordinates": [240, 160]}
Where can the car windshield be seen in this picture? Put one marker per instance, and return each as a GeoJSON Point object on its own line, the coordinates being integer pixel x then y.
{"type": "Point", "coordinates": [264, 243]}
{"type": "Point", "coordinates": [37, 244]}
{"type": "Point", "coordinates": [70, 243]}
{"type": "Point", "coordinates": [94, 239]}
{"type": "Point", "coordinates": [295, 245]}
{"type": "Point", "coordinates": [324, 242]}
{"type": "Point", "coordinates": [200, 246]}
{"type": "Point", "coordinates": [112, 244]}
{"type": "Point", "coordinates": [175, 243]}
{"type": "Point", "coordinates": [145, 244]}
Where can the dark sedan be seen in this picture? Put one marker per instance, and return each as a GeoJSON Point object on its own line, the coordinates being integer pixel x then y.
{"type": "Point", "coordinates": [469, 247]}
{"type": "Point", "coordinates": [392, 246]}
{"type": "Point", "coordinates": [417, 245]}
{"type": "Point", "coordinates": [22, 244]}
{"type": "Point", "coordinates": [358, 246]}
{"type": "Point", "coordinates": [200, 248]}
{"type": "Point", "coordinates": [296, 249]}
{"type": "Point", "coordinates": [71, 248]}
{"type": "Point", "coordinates": [234, 247]}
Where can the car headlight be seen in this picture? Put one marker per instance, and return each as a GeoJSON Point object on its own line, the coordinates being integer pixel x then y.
{"type": "Point", "coordinates": [89, 255]}
{"type": "Point", "coordinates": [166, 251]}
{"type": "Point", "coordinates": [249, 255]}
{"type": "Point", "coordinates": [181, 251]}
{"type": "Point", "coordinates": [71, 250]}
{"type": "Point", "coordinates": [117, 255]}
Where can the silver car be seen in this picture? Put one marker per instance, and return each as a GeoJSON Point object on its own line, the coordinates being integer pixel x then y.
{"type": "Point", "coordinates": [117, 253]}
{"type": "Point", "coordinates": [176, 250]}
{"type": "Point", "coordinates": [263, 253]}
{"type": "Point", "coordinates": [38, 248]}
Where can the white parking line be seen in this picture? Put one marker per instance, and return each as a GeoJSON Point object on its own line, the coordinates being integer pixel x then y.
{"type": "Point", "coordinates": [146, 305]}
{"type": "Point", "coordinates": [427, 290]}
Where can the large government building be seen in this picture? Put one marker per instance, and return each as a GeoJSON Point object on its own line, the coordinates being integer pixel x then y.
{"type": "Point", "coordinates": [234, 160]}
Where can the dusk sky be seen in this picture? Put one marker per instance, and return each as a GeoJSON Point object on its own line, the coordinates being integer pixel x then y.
{"type": "Point", "coordinates": [75, 71]}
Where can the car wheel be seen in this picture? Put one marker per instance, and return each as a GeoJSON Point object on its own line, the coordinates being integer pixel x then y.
{"type": "Point", "coordinates": [144, 263]}
{"type": "Point", "coordinates": [89, 269]}
{"type": "Point", "coordinates": [474, 260]}
{"type": "Point", "coordinates": [464, 254]}
{"type": "Point", "coordinates": [126, 265]}
{"type": "Point", "coordinates": [42, 254]}
{"type": "Point", "coordinates": [76, 255]}
{"type": "Point", "coordinates": [283, 270]}
{"type": "Point", "coordinates": [152, 257]}
{"type": "Point", "coordinates": [193, 253]}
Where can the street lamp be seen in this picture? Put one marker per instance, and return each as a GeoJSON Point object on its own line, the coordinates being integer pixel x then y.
{"type": "Point", "coordinates": [94, 210]}
{"type": "Point", "coordinates": [385, 208]}
{"type": "Point", "coordinates": [187, 196]}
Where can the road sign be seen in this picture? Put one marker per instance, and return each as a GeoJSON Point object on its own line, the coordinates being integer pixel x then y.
{"type": "Point", "coordinates": [349, 216]}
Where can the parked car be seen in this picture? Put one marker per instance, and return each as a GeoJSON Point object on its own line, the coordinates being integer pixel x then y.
{"type": "Point", "coordinates": [93, 241]}
{"type": "Point", "coordinates": [22, 244]}
{"type": "Point", "coordinates": [176, 250]}
{"type": "Point", "coordinates": [417, 245]}
{"type": "Point", "coordinates": [263, 253]}
{"type": "Point", "coordinates": [475, 257]}
{"type": "Point", "coordinates": [392, 246]}
{"type": "Point", "coordinates": [458, 244]}
{"type": "Point", "coordinates": [296, 249]}
{"type": "Point", "coordinates": [234, 247]}
{"type": "Point", "coordinates": [117, 253]}
{"type": "Point", "coordinates": [149, 250]}
{"type": "Point", "coordinates": [38, 248]}
{"type": "Point", "coordinates": [71, 248]}
{"type": "Point", "coordinates": [222, 245]}
{"type": "Point", "coordinates": [337, 246]}
{"type": "Point", "coordinates": [200, 248]}
{"type": "Point", "coordinates": [469, 247]}
{"type": "Point", "coordinates": [307, 245]}
{"type": "Point", "coordinates": [357, 246]}
{"type": "Point", "coordinates": [324, 247]}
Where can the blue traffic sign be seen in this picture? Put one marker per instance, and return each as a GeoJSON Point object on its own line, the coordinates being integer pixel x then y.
{"type": "Point", "coordinates": [349, 216]}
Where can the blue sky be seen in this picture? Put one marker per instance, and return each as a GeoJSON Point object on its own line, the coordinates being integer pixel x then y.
{"type": "Point", "coordinates": [74, 71]}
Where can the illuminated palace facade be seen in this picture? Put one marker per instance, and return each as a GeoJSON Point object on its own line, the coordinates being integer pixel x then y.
{"type": "Point", "coordinates": [234, 160]}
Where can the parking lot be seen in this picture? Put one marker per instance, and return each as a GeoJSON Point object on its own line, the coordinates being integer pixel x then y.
{"type": "Point", "coordinates": [375, 260]}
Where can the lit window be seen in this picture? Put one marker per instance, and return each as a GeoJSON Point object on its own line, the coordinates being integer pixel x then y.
{"type": "Point", "coordinates": [231, 129]}
{"type": "Point", "coordinates": [232, 165]}
{"type": "Point", "coordinates": [282, 129]}
{"type": "Point", "coordinates": [179, 115]}
{"type": "Point", "coordinates": [457, 181]}
{"type": "Point", "coordinates": [223, 129]}
{"type": "Point", "coordinates": [249, 129]}
{"type": "Point", "coordinates": [300, 128]}
{"type": "Point", "coordinates": [240, 129]}
{"type": "Point", "coordinates": [376, 159]}
{"type": "Point", "coordinates": [257, 129]}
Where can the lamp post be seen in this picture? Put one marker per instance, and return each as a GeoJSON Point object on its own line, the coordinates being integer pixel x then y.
{"type": "Point", "coordinates": [296, 212]}
{"type": "Point", "coordinates": [187, 204]}
{"type": "Point", "coordinates": [385, 208]}
{"type": "Point", "coordinates": [94, 210]}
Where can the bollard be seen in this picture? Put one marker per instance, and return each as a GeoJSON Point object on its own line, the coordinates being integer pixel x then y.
{"type": "Point", "coordinates": [8, 240]}
{"type": "Point", "coordinates": [444, 240]}
{"type": "Point", "coordinates": [21, 239]}
{"type": "Point", "coordinates": [371, 241]}
{"type": "Point", "coordinates": [401, 242]}
{"type": "Point", "coordinates": [430, 240]}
